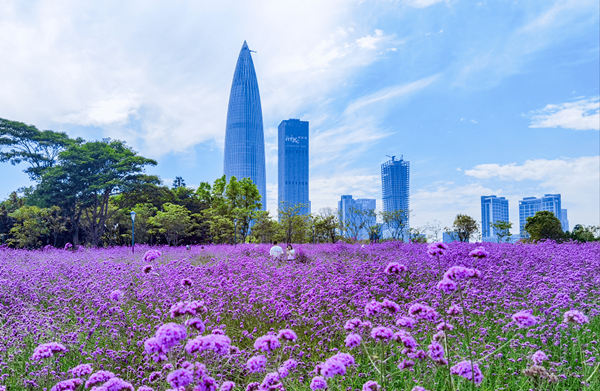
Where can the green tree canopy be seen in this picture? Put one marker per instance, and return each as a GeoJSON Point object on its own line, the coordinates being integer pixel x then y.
{"type": "Point", "coordinates": [21, 143]}
{"type": "Point", "coordinates": [465, 227]}
{"type": "Point", "coordinates": [85, 178]}
{"type": "Point", "coordinates": [173, 221]}
{"type": "Point", "coordinates": [502, 230]}
{"type": "Point", "coordinates": [544, 225]}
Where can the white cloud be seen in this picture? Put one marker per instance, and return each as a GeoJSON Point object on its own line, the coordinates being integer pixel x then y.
{"type": "Point", "coordinates": [576, 179]}
{"type": "Point", "coordinates": [444, 200]}
{"type": "Point", "coordinates": [583, 114]}
{"type": "Point", "coordinates": [154, 75]}
{"type": "Point", "coordinates": [391, 93]}
{"type": "Point", "coordinates": [422, 3]}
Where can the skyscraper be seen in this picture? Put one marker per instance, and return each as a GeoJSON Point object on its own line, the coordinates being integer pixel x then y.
{"type": "Point", "coordinates": [293, 165]}
{"type": "Point", "coordinates": [564, 220]}
{"type": "Point", "coordinates": [244, 136]}
{"type": "Point", "coordinates": [493, 210]}
{"type": "Point", "coordinates": [529, 206]}
{"type": "Point", "coordinates": [395, 189]}
{"type": "Point", "coordinates": [356, 216]}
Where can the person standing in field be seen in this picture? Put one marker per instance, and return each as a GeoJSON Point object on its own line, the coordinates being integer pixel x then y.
{"type": "Point", "coordinates": [291, 253]}
{"type": "Point", "coordinates": [276, 251]}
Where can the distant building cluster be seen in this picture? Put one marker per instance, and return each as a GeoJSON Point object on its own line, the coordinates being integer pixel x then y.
{"type": "Point", "coordinates": [245, 158]}
{"type": "Point", "coordinates": [245, 144]}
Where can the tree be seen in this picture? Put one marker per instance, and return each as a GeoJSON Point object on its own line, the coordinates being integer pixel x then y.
{"type": "Point", "coordinates": [243, 201]}
{"type": "Point", "coordinates": [178, 182]}
{"type": "Point", "coordinates": [396, 222]}
{"type": "Point", "coordinates": [264, 228]}
{"type": "Point", "coordinates": [325, 225]}
{"type": "Point", "coordinates": [293, 224]}
{"type": "Point", "coordinates": [465, 226]}
{"type": "Point", "coordinates": [544, 225]}
{"type": "Point", "coordinates": [502, 230]}
{"type": "Point", "coordinates": [85, 178]}
{"type": "Point", "coordinates": [7, 207]}
{"type": "Point", "coordinates": [582, 233]}
{"type": "Point", "coordinates": [374, 232]}
{"type": "Point", "coordinates": [357, 221]}
{"type": "Point", "coordinates": [21, 143]}
{"type": "Point", "coordinates": [173, 222]}
{"type": "Point", "coordinates": [31, 227]}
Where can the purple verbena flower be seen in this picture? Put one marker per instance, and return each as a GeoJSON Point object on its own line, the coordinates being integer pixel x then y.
{"type": "Point", "coordinates": [318, 383]}
{"type": "Point", "coordinates": [180, 378]}
{"type": "Point", "coordinates": [394, 268]}
{"type": "Point", "coordinates": [117, 384]}
{"type": "Point", "coordinates": [46, 350]}
{"type": "Point", "coordinates": [423, 311]}
{"type": "Point", "coordinates": [405, 321]}
{"type": "Point", "coordinates": [81, 370]}
{"type": "Point", "coordinates": [382, 333]}
{"type": "Point", "coordinates": [436, 249]}
{"type": "Point", "coordinates": [353, 340]}
{"type": "Point", "coordinates": [67, 385]}
{"type": "Point", "coordinates": [196, 323]}
{"type": "Point", "coordinates": [287, 335]}
{"type": "Point", "coordinates": [227, 386]}
{"type": "Point", "coordinates": [479, 252]}
{"type": "Point", "coordinates": [574, 316]}
{"type": "Point", "coordinates": [151, 255]}
{"type": "Point", "coordinates": [267, 343]}
{"type": "Point", "coordinates": [371, 385]}
{"type": "Point", "coordinates": [169, 335]}
{"type": "Point", "coordinates": [539, 357]}
{"type": "Point", "coordinates": [98, 378]}
{"type": "Point", "coordinates": [256, 364]}
{"type": "Point", "coordinates": [188, 308]}
{"type": "Point", "coordinates": [524, 319]}
{"type": "Point", "coordinates": [468, 370]}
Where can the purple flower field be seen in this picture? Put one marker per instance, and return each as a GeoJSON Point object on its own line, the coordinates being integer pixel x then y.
{"type": "Point", "coordinates": [389, 316]}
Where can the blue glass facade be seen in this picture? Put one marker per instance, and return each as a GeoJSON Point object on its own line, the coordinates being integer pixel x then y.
{"type": "Point", "coordinates": [395, 188]}
{"type": "Point", "coordinates": [293, 165]}
{"type": "Point", "coordinates": [529, 206]}
{"type": "Point", "coordinates": [244, 136]}
{"type": "Point", "coordinates": [493, 210]}
{"type": "Point", "coordinates": [347, 210]}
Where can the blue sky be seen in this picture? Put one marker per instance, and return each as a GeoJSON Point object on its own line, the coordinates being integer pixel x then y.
{"type": "Point", "coordinates": [488, 97]}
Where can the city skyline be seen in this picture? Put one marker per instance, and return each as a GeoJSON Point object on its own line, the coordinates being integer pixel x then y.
{"type": "Point", "coordinates": [460, 87]}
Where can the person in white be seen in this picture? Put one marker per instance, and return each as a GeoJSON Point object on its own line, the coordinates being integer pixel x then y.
{"type": "Point", "coordinates": [276, 251]}
{"type": "Point", "coordinates": [291, 253]}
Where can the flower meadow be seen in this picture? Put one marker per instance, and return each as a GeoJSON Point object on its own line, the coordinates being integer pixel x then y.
{"type": "Point", "coordinates": [389, 316]}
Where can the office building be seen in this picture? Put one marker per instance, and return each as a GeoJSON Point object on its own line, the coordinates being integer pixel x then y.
{"type": "Point", "coordinates": [395, 190]}
{"type": "Point", "coordinates": [244, 136]}
{"type": "Point", "coordinates": [356, 216]}
{"type": "Point", "coordinates": [293, 165]}
{"type": "Point", "coordinates": [529, 206]}
{"type": "Point", "coordinates": [493, 210]}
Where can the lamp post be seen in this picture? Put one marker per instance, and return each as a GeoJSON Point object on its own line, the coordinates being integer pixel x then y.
{"type": "Point", "coordinates": [132, 232]}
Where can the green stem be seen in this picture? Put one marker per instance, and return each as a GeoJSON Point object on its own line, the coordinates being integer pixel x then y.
{"type": "Point", "coordinates": [369, 356]}
{"type": "Point", "coordinates": [593, 373]}
{"type": "Point", "coordinates": [468, 341]}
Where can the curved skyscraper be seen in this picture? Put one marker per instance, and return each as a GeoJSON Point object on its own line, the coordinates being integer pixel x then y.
{"type": "Point", "coordinates": [244, 136]}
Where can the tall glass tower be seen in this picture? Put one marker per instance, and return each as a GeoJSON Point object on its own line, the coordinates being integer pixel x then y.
{"type": "Point", "coordinates": [244, 136]}
{"type": "Point", "coordinates": [493, 210]}
{"type": "Point", "coordinates": [395, 189]}
{"type": "Point", "coordinates": [293, 165]}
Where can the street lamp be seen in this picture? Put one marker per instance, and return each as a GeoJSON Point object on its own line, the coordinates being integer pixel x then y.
{"type": "Point", "coordinates": [132, 232]}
